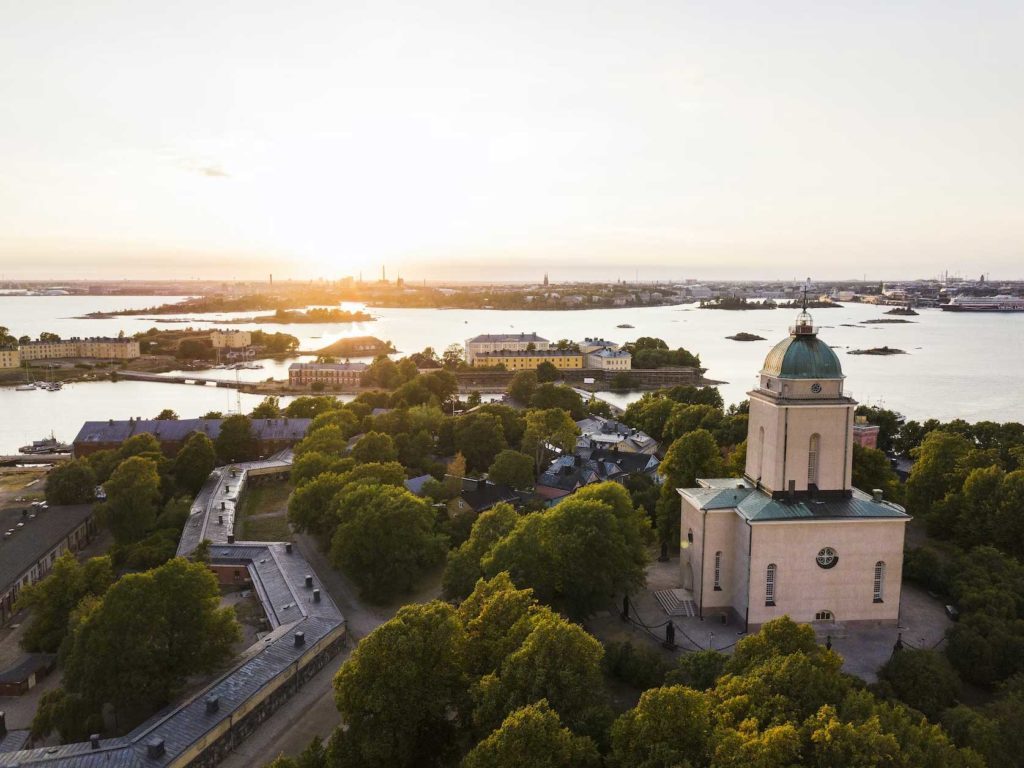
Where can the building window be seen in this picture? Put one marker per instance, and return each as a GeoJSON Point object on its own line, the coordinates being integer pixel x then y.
{"type": "Point", "coordinates": [879, 581]}
{"type": "Point", "coordinates": [827, 557]}
{"type": "Point", "coordinates": [812, 460]}
{"type": "Point", "coordinates": [823, 616]}
{"type": "Point", "coordinates": [769, 584]}
{"type": "Point", "coordinates": [718, 571]}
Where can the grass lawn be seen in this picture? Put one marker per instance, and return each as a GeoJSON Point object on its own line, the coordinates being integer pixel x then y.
{"type": "Point", "coordinates": [262, 515]}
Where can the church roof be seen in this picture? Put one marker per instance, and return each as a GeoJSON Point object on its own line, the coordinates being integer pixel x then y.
{"type": "Point", "coordinates": [803, 356]}
{"type": "Point", "coordinates": [757, 506]}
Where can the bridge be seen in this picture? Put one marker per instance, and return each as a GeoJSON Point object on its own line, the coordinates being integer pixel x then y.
{"type": "Point", "coordinates": [201, 381]}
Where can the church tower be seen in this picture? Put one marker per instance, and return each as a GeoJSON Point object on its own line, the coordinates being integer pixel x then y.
{"type": "Point", "coordinates": [800, 432]}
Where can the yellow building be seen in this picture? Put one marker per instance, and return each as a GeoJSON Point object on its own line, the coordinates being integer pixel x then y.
{"type": "Point", "coordinates": [230, 339]}
{"type": "Point", "coordinates": [528, 361]}
{"type": "Point", "coordinates": [10, 358]}
{"type": "Point", "coordinates": [103, 348]}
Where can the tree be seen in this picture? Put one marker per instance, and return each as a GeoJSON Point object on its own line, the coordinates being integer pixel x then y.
{"type": "Point", "coordinates": [103, 463]}
{"type": "Point", "coordinates": [548, 430]}
{"type": "Point", "coordinates": [513, 469]}
{"type": "Point", "coordinates": [693, 455]}
{"type": "Point", "coordinates": [871, 469]}
{"type": "Point", "coordinates": [141, 444]}
{"type": "Point", "coordinates": [698, 670]}
{"type": "Point", "coordinates": [137, 645]}
{"type": "Point", "coordinates": [559, 396]}
{"type": "Point", "coordinates": [52, 599]}
{"type": "Point", "coordinates": [328, 440]}
{"type": "Point", "coordinates": [547, 371]}
{"type": "Point", "coordinates": [558, 661]}
{"type": "Point", "coordinates": [236, 441]}
{"type": "Point", "coordinates": [308, 407]}
{"type": "Point", "coordinates": [313, 463]}
{"type": "Point", "coordinates": [453, 357]}
{"type": "Point", "coordinates": [522, 386]}
{"type": "Point", "coordinates": [399, 689]}
{"type": "Point", "coordinates": [269, 408]}
{"type": "Point", "coordinates": [533, 737]}
{"type": "Point", "coordinates": [480, 437]}
{"type": "Point", "coordinates": [47, 336]}
{"type": "Point", "coordinates": [73, 482]}
{"type": "Point", "coordinates": [668, 727]}
{"type": "Point", "coordinates": [464, 567]}
{"type": "Point", "coordinates": [935, 471]}
{"type": "Point", "coordinates": [374, 447]}
{"type": "Point", "coordinates": [194, 462]}
{"type": "Point", "coordinates": [474, 399]}
{"type": "Point", "coordinates": [552, 552]}
{"type": "Point", "coordinates": [342, 418]}
{"type": "Point", "coordinates": [133, 498]}
{"type": "Point", "coordinates": [311, 507]}
{"type": "Point", "coordinates": [167, 415]}
{"type": "Point", "coordinates": [194, 349]}
{"type": "Point", "coordinates": [385, 540]}
{"type": "Point", "coordinates": [923, 680]}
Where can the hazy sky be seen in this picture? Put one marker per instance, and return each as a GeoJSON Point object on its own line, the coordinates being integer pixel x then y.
{"type": "Point", "coordinates": [502, 139]}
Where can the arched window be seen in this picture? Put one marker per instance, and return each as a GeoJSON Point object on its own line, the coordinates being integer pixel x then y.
{"type": "Point", "coordinates": [812, 459]}
{"type": "Point", "coordinates": [718, 571]}
{"type": "Point", "coordinates": [879, 581]}
{"type": "Point", "coordinates": [769, 584]}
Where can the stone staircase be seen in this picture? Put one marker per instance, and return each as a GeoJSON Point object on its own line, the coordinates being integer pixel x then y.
{"type": "Point", "coordinates": [676, 602]}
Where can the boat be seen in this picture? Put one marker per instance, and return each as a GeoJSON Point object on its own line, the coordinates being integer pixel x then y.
{"type": "Point", "coordinates": [999, 303]}
{"type": "Point", "coordinates": [46, 445]}
{"type": "Point", "coordinates": [25, 388]}
{"type": "Point", "coordinates": [624, 325]}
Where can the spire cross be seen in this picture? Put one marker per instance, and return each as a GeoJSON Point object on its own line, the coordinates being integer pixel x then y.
{"type": "Point", "coordinates": [805, 295]}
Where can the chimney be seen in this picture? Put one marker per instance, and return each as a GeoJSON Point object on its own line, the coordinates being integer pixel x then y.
{"type": "Point", "coordinates": [3, 724]}
{"type": "Point", "coordinates": [877, 494]}
{"type": "Point", "coordinates": [220, 519]}
{"type": "Point", "coordinates": [94, 741]}
{"type": "Point", "coordinates": [309, 581]}
{"type": "Point", "coordinates": [223, 505]}
{"type": "Point", "coordinates": [316, 595]}
{"type": "Point", "coordinates": [155, 748]}
{"type": "Point", "coordinates": [288, 547]}
{"type": "Point", "coordinates": [212, 704]}
{"type": "Point", "coordinates": [792, 490]}
{"type": "Point", "coordinates": [300, 639]}
{"type": "Point", "coordinates": [231, 538]}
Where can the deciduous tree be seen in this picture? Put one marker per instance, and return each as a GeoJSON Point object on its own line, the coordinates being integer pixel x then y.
{"type": "Point", "coordinates": [73, 482]}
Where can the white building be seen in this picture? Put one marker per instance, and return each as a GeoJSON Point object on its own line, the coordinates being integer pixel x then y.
{"type": "Point", "coordinates": [599, 432]}
{"type": "Point", "coordinates": [793, 536]}
{"type": "Point", "coordinates": [610, 360]}
{"type": "Point", "coordinates": [504, 342]}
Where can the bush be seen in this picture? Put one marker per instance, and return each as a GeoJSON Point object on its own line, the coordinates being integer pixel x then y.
{"type": "Point", "coordinates": [923, 680]}
{"type": "Point", "coordinates": [698, 670]}
{"type": "Point", "coordinates": [640, 667]}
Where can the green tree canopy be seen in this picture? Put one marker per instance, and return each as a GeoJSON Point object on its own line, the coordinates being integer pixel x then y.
{"type": "Point", "coordinates": [547, 430]}
{"type": "Point", "coordinates": [52, 600]}
{"type": "Point", "coordinates": [385, 540]}
{"type": "Point", "coordinates": [464, 564]}
{"type": "Point", "coordinates": [512, 468]}
{"type": "Point", "coordinates": [522, 386]}
{"type": "Point", "coordinates": [73, 482]}
{"type": "Point", "coordinates": [533, 737]}
{"type": "Point", "coordinates": [194, 462]}
{"type": "Point", "coordinates": [692, 456]}
{"type": "Point", "coordinates": [133, 499]}
{"type": "Point", "coordinates": [670, 726]}
{"type": "Point", "coordinates": [559, 396]}
{"type": "Point", "coordinates": [236, 441]}
{"type": "Point", "coordinates": [268, 408]}
{"type": "Point", "coordinates": [374, 447]}
{"type": "Point", "coordinates": [167, 414]}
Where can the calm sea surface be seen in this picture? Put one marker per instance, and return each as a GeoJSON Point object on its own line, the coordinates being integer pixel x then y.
{"type": "Point", "coordinates": [965, 366]}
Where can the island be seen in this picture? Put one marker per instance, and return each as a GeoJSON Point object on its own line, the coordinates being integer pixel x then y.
{"type": "Point", "coordinates": [357, 346]}
{"type": "Point", "coordinates": [877, 351]}
{"type": "Point", "coordinates": [625, 325]}
{"type": "Point", "coordinates": [902, 311]}
{"type": "Point", "coordinates": [881, 320]}
{"type": "Point", "coordinates": [312, 315]}
{"type": "Point", "coordinates": [736, 303]}
{"type": "Point", "coordinates": [744, 336]}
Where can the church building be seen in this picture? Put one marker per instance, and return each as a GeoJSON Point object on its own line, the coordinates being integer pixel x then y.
{"type": "Point", "coordinates": [793, 536]}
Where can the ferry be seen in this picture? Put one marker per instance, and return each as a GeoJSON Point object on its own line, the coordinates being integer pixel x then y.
{"type": "Point", "coordinates": [984, 304]}
{"type": "Point", "coordinates": [46, 445]}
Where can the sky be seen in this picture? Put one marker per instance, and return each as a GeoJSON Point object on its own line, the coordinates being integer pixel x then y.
{"type": "Point", "coordinates": [500, 140]}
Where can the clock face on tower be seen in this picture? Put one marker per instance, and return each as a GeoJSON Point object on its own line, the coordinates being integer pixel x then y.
{"type": "Point", "coordinates": [815, 387]}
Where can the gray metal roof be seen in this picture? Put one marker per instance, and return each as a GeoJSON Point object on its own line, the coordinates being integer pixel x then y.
{"type": "Point", "coordinates": [172, 430]}
{"type": "Point", "coordinates": [36, 536]}
{"type": "Point", "coordinates": [282, 578]}
{"type": "Point", "coordinates": [492, 337]}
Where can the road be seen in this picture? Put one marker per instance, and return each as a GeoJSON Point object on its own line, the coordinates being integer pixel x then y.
{"type": "Point", "coordinates": [311, 712]}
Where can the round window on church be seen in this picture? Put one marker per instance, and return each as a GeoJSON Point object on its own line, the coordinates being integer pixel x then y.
{"type": "Point", "coordinates": [827, 557]}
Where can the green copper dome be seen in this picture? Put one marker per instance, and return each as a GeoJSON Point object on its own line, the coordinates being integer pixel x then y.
{"type": "Point", "coordinates": [803, 356]}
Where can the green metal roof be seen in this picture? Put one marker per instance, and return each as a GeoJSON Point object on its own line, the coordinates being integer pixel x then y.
{"type": "Point", "coordinates": [757, 506]}
{"type": "Point", "coordinates": [803, 356]}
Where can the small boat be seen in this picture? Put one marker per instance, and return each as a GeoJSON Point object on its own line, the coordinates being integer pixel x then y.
{"type": "Point", "coordinates": [625, 325]}
{"type": "Point", "coordinates": [25, 388]}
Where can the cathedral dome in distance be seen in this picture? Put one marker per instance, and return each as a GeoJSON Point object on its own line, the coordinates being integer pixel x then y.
{"type": "Point", "coordinates": [803, 355]}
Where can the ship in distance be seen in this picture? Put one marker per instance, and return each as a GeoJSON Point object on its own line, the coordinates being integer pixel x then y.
{"type": "Point", "coordinates": [984, 304]}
